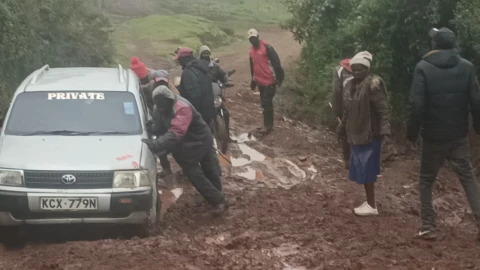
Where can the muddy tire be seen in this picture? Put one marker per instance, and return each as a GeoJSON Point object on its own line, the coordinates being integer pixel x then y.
{"type": "Point", "coordinates": [221, 135]}
{"type": "Point", "coordinates": [152, 226]}
{"type": "Point", "coordinates": [13, 237]}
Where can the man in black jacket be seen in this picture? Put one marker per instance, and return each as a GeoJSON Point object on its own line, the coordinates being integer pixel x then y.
{"type": "Point", "coordinates": [444, 91]}
{"type": "Point", "coordinates": [196, 84]}
{"type": "Point", "coordinates": [182, 132]}
{"type": "Point", "coordinates": [217, 74]}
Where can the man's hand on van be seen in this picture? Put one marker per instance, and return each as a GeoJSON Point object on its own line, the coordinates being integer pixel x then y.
{"type": "Point", "coordinates": [149, 143]}
{"type": "Point", "coordinates": [149, 125]}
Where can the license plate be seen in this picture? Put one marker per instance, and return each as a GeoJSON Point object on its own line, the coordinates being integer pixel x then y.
{"type": "Point", "coordinates": [68, 204]}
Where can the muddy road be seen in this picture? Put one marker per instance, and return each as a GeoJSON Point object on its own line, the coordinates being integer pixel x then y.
{"type": "Point", "coordinates": [291, 208]}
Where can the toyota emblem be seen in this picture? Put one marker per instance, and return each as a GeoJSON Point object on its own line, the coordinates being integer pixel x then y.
{"type": "Point", "coordinates": [68, 179]}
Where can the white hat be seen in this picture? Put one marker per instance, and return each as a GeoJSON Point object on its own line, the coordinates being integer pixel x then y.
{"type": "Point", "coordinates": [204, 48]}
{"type": "Point", "coordinates": [252, 33]}
{"type": "Point", "coordinates": [362, 58]}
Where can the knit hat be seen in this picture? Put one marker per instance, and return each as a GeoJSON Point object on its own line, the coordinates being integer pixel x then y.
{"type": "Point", "coordinates": [138, 67]}
{"type": "Point", "coordinates": [345, 63]}
{"type": "Point", "coordinates": [445, 38]}
{"type": "Point", "coordinates": [163, 91]}
{"type": "Point", "coordinates": [204, 48]}
{"type": "Point", "coordinates": [362, 58]}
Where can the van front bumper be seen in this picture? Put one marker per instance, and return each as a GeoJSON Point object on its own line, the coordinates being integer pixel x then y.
{"type": "Point", "coordinates": [115, 206]}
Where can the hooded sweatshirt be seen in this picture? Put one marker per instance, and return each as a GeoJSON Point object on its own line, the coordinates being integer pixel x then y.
{"type": "Point", "coordinates": [443, 92]}
{"type": "Point", "coordinates": [196, 87]}
{"type": "Point", "coordinates": [184, 133]}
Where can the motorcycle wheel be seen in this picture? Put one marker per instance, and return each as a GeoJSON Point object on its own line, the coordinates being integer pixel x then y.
{"type": "Point", "coordinates": [221, 135]}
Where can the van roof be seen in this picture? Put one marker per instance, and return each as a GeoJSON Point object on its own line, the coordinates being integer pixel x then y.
{"type": "Point", "coordinates": [78, 79]}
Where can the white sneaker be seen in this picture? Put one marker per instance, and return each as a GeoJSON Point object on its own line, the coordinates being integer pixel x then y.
{"type": "Point", "coordinates": [365, 210]}
{"type": "Point", "coordinates": [360, 207]}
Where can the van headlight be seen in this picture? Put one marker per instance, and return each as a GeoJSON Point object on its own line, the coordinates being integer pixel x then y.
{"type": "Point", "coordinates": [130, 179]}
{"type": "Point", "coordinates": [11, 178]}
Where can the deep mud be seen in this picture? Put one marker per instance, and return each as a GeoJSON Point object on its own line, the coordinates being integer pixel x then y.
{"type": "Point", "coordinates": [293, 212]}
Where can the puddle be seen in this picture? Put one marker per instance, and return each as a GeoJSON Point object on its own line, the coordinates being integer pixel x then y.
{"type": "Point", "coordinates": [177, 192]}
{"type": "Point", "coordinates": [169, 197]}
{"type": "Point", "coordinates": [295, 170]}
{"type": "Point", "coordinates": [289, 267]}
{"type": "Point", "coordinates": [243, 138]}
{"type": "Point", "coordinates": [253, 154]}
{"type": "Point", "coordinates": [252, 174]}
{"type": "Point", "coordinates": [286, 250]}
{"type": "Point", "coordinates": [249, 174]}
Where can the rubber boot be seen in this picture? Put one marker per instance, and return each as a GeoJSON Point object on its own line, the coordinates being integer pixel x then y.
{"type": "Point", "coordinates": [267, 122]}
{"type": "Point", "coordinates": [165, 172]}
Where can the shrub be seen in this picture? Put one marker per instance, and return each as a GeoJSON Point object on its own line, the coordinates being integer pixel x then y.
{"type": "Point", "coordinates": [395, 32]}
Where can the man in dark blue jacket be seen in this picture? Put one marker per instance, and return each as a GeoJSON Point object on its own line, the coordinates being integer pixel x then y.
{"type": "Point", "coordinates": [445, 91]}
{"type": "Point", "coordinates": [196, 84]}
{"type": "Point", "coordinates": [182, 132]}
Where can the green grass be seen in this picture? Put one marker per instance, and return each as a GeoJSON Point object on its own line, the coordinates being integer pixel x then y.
{"type": "Point", "coordinates": [185, 23]}
{"type": "Point", "coordinates": [160, 35]}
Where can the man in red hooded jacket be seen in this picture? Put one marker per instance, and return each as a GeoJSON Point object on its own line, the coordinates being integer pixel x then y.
{"type": "Point", "coordinates": [267, 73]}
{"type": "Point", "coordinates": [341, 75]}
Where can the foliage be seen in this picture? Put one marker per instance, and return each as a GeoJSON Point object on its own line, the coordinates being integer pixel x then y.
{"type": "Point", "coordinates": [395, 32]}
{"type": "Point", "coordinates": [55, 32]}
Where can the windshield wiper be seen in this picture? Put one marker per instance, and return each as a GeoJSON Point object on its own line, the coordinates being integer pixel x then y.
{"type": "Point", "coordinates": [109, 133]}
{"type": "Point", "coordinates": [57, 132]}
{"type": "Point", "coordinates": [78, 133]}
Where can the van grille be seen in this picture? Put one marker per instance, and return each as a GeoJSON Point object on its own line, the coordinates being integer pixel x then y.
{"type": "Point", "coordinates": [83, 180]}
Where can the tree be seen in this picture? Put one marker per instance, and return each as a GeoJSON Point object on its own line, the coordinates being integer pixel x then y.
{"type": "Point", "coordinates": [395, 32]}
{"type": "Point", "coordinates": [55, 32]}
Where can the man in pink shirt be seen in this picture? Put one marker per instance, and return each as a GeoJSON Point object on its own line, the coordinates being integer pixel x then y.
{"type": "Point", "coordinates": [267, 73]}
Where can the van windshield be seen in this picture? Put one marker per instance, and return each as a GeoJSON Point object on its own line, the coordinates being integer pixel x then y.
{"type": "Point", "coordinates": [74, 113]}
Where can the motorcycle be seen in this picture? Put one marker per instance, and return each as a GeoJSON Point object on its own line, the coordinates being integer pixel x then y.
{"type": "Point", "coordinates": [220, 128]}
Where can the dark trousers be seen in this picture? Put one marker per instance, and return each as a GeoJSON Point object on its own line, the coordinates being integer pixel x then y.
{"type": "Point", "coordinates": [164, 162]}
{"type": "Point", "coordinates": [206, 178]}
{"type": "Point", "coordinates": [267, 93]}
{"type": "Point", "coordinates": [433, 157]}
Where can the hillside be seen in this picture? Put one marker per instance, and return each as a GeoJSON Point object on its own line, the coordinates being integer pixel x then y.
{"type": "Point", "coordinates": [153, 29]}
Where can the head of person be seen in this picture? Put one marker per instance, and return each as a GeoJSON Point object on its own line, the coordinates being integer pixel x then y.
{"type": "Point", "coordinates": [205, 53]}
{"type": "Point", "coordinates": [254, 37]}
{"type": "Point", "coordinates": [360, 65]}
{"type": "Point", "coordinates": [442, 39]}
{"type": "Point", "coordinates": [140, 69]}
{"type": "Point", "coordinates": [184, 56]}
{"type": "Point", "coordinates": [160, 77]}
{"type": "Point", "coordinates": [163, 99]}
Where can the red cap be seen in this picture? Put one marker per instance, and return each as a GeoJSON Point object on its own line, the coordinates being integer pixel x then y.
{"type": "Point", "coordinates": [182, 53]}
{"type": "Point", "coordinates": [138, 67]}
{"type": "Point", "coordinates": [346, 64]}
